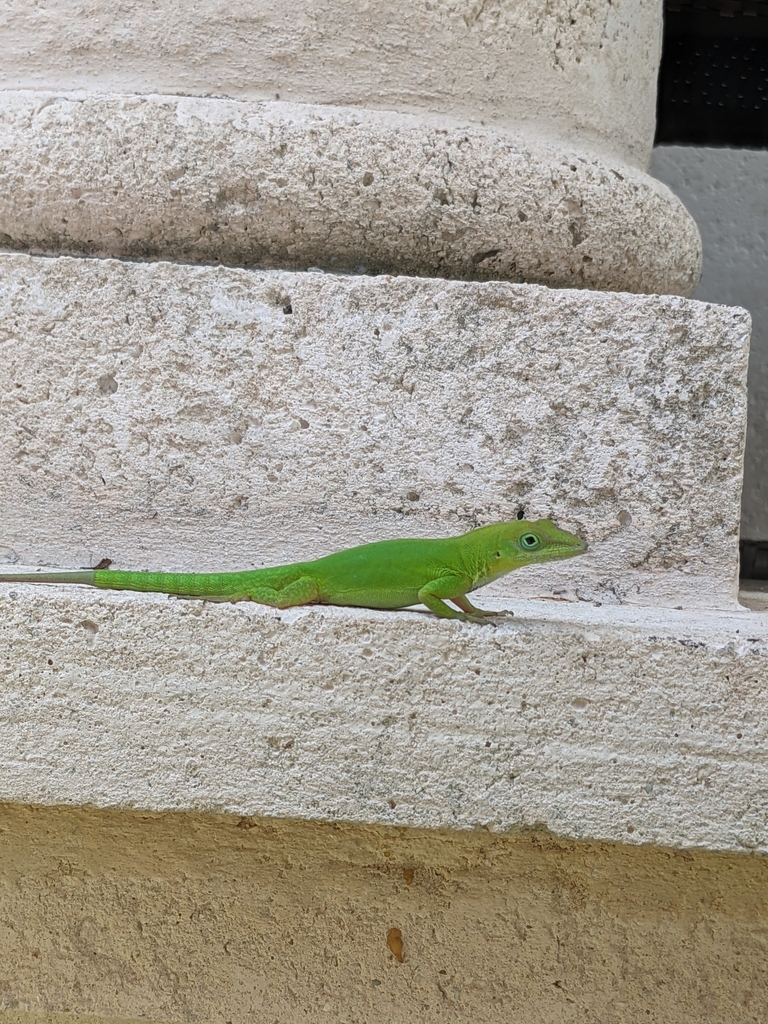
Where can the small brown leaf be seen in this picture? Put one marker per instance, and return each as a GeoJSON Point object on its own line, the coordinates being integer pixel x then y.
{"type": "Point", "coordinates": [395, 943]}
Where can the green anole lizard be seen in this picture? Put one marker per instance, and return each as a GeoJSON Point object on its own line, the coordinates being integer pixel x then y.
{"type": "Point", "coordinates": [387, 574]}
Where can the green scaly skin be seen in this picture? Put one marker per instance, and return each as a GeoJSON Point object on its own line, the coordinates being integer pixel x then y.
{"type": "Point", "coordinates": [388, 574]}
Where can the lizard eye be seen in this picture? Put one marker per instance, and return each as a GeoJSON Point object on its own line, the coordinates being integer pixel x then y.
{"type": "Point", "coordinates": [529, 542]}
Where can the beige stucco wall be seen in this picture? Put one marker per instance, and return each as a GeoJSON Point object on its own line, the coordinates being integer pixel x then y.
{"type": "Point", "coordinates": [182, 918]}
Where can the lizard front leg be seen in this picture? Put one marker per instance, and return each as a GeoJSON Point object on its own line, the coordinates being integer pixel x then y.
{"type": "Point", "coordinates": [463, 602]}
{"type": "Point", "coordinates": [450, 588]}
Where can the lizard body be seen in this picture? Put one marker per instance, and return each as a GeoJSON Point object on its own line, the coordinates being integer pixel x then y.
{"type": "Point", "coordinates": [386, 574]}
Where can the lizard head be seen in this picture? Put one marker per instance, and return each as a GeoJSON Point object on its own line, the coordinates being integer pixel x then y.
{"type": "Point", "coordinates": [522, 542]}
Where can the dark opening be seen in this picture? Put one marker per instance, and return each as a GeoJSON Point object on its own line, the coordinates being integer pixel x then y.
{"type": "Point", "coordinates": [753, 559]}
{"type": "Point", "coordinates": [713, 80]}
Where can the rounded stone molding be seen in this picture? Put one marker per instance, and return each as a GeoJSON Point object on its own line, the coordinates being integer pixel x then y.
{"type": "Point", "coordinates": [297, 186]}
{"type": "Point", "coordinates": [583, 71]}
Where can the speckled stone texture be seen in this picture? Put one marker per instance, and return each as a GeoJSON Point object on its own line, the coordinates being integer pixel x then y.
{"type": "Point", "coordinates": [289, 185]}
{"type": "Point", "coordinates": [203, 418]}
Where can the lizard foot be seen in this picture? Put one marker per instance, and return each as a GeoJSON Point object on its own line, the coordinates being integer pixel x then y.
{"type": "Point", "coordinates": [482, 619]}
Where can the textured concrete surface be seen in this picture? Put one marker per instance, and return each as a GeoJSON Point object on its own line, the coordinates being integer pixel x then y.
{"type": "Point", "coordinates": [583, 71]}
{"type": "Point", "coordinates": [31, 1017]}
{"type": "Point", "coordinates": [627, 725]}
{"type": "Point", "coordinates": [280, 184]}
{"type": "Point", "coordinates": [203, 418]}
{"type": "Point", "coordinates": [189, 918]}
{"type": "Point", "coordinates": [726, 190]}
{"type": "Point", "coordinates": [28, 1017]}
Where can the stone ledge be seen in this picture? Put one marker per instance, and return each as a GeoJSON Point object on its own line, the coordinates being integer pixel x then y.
{"type": "Point", "coordinates": [626, 725]}
{"type": "Point", "coordinates": [293, 185]}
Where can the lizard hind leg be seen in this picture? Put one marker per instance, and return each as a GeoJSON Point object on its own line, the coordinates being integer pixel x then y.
{"type": "Point", "coordinates": [304, 590]}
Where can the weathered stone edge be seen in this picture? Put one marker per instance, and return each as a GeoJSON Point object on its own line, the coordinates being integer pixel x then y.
{"type": "Point", "coordinates": [294, 185]}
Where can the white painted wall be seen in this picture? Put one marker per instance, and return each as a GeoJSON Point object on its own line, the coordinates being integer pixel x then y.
{"type": "Point", "coordinates": [726, 191]}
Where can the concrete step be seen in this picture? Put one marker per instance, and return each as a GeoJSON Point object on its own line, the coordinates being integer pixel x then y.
{"type": "Point", "coordinates": [634, 725]}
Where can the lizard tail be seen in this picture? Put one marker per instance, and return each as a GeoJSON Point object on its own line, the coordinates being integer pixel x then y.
{"type": "Point", "coordinates": [227, 586]}
{"type": "Point", "coordinates": [85, 576]}
{"type": "Point", "coordinates": [222, 586]}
